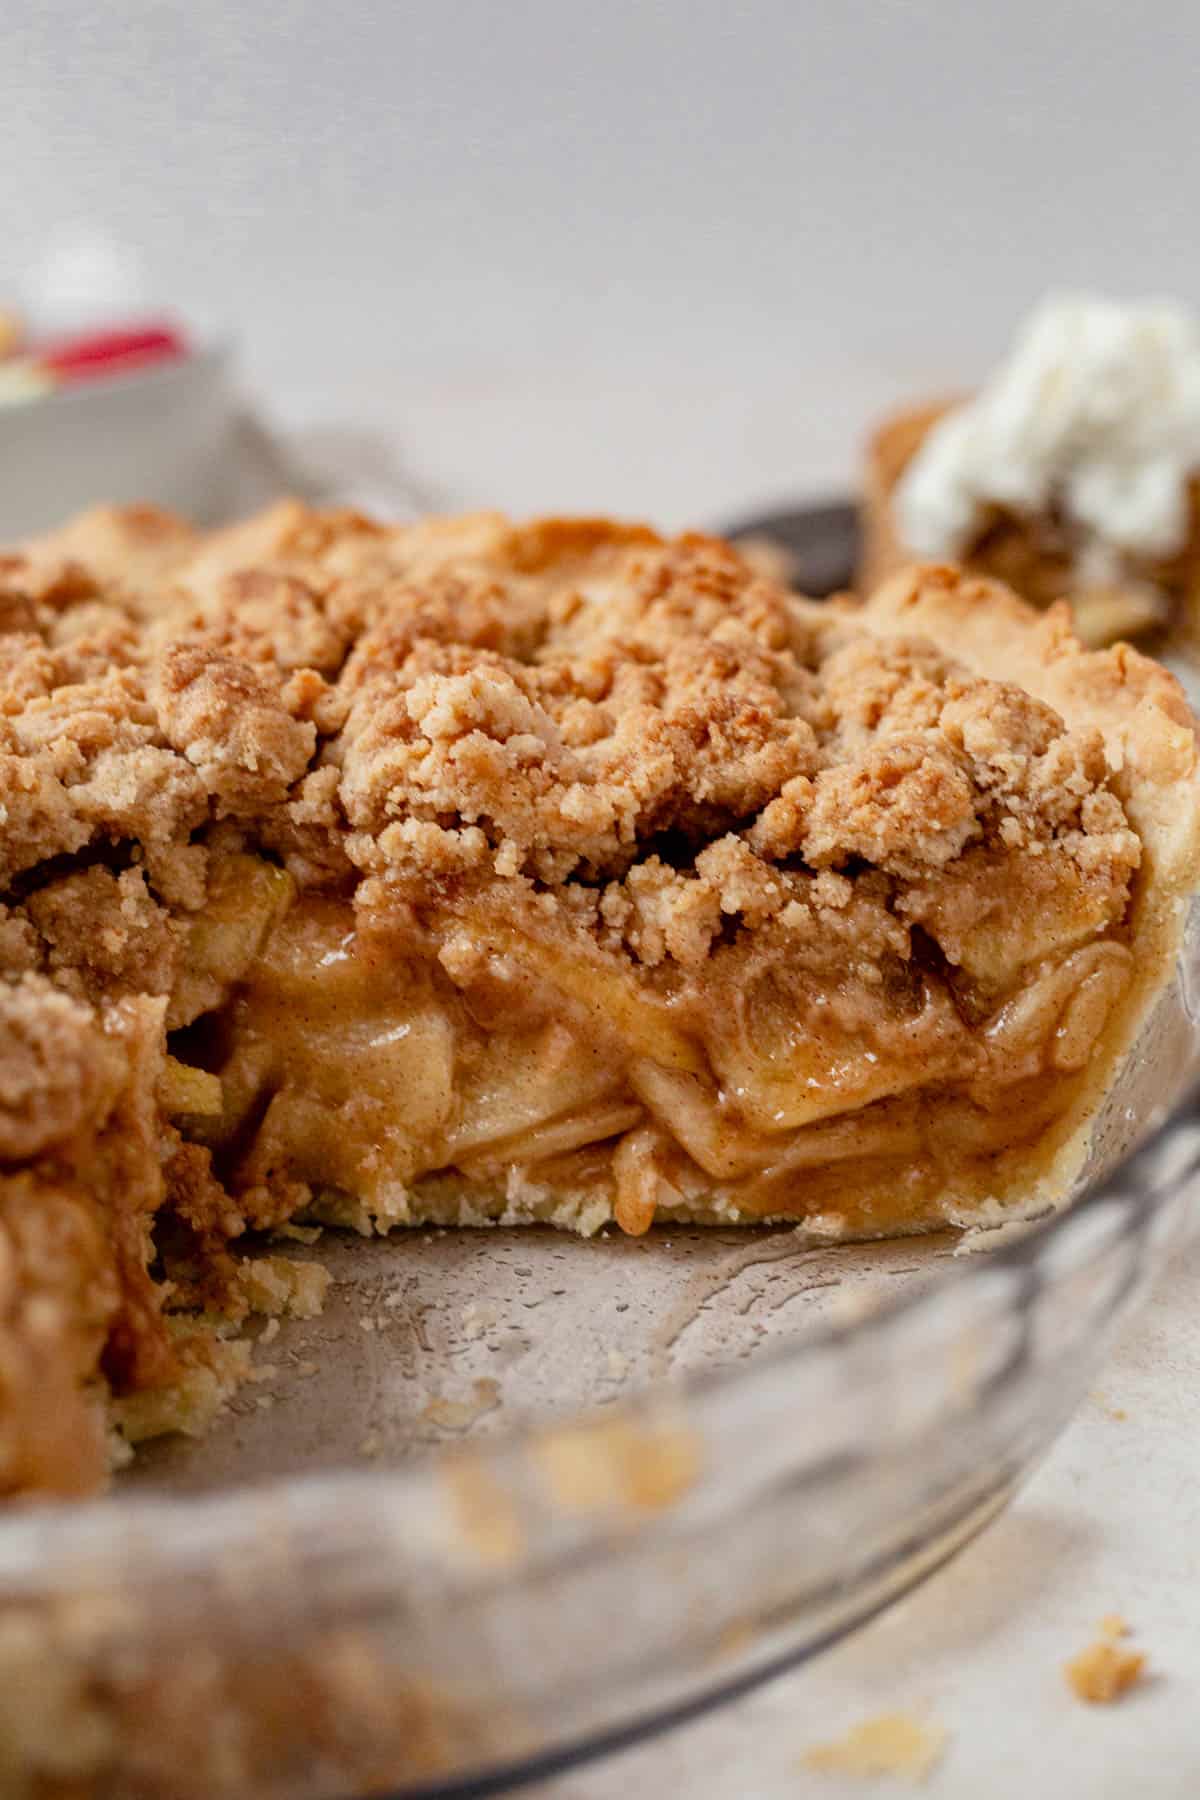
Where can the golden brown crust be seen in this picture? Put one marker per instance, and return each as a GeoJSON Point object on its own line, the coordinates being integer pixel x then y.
{"type": "Point", "coordinates": [535, 705]}
{"type": "Point", "coordinates": [1125, 700]}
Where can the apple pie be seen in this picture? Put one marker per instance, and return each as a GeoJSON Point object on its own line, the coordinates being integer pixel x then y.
{"type": "Point", "coordinates": [472, 872]}
{"type": "Point", "coordinates": [1074, 472]}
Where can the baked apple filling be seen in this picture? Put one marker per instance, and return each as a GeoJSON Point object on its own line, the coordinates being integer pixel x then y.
{"type": "Point", "coordinates": [351, 1066]}
{"type": "Point", "coordinates": [464, 871]}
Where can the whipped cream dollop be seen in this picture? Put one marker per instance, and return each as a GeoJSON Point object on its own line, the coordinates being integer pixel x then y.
{"type": "Point", "coordinates": [1096, 411]}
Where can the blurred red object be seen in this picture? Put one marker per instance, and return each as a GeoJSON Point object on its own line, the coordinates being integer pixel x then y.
{"type": "Point", "coordinates": [89, 355]}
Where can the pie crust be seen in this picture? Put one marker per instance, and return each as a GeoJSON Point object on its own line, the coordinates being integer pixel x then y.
{"type": "Point", "coordinates": [470, 872]}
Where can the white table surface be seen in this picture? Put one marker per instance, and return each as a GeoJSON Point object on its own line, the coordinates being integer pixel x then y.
{"type": "Point", "coordinates": [1111, 1521]}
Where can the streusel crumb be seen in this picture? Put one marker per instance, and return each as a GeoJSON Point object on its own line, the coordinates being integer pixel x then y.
{"type": "Point", "coordinates": [510, 718]}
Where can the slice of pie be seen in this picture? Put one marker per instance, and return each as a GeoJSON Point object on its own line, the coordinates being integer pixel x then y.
{"type": "Point", "coordinates": [1074, 471]}
{"type": "Point", "coordinates": [472, 872]}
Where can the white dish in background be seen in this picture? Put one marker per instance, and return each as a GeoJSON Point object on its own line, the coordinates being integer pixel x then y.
{"type": "Point", "coordinates": [165, 434]}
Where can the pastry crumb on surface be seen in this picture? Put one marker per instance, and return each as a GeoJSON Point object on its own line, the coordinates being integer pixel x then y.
{"type": "Point", "coordinates": [1107, 1668]}
{"type": "Point", "coordinates": [290, 1232]}
{"type": "Point", "coordinates": [280, 1285]}
{"type": "Point", "coordinates": [900, 1744]}
{"type": "Point", "coordinates": [459, 1415]}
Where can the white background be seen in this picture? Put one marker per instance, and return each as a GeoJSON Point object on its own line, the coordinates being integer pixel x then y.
{"type": "Point", "coordinates": [670, 259]}
{"type": "Point", "coordinates": [659, 256]}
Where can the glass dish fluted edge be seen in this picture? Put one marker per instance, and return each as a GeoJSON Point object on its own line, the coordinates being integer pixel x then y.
{"type": "Point", "coordinates": [509, 1607]}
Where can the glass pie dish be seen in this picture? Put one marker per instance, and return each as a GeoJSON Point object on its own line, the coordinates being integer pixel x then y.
{"type": "Point", "coordinates": [544, 1497]}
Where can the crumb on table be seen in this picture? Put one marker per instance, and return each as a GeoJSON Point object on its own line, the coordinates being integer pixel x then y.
{"type": "Point", "coordinates": [275, 1285]}
{"type": "Point", "coordinates": [892, 1743]}
{"type": "Point", "coordinates": [1107, 1668]}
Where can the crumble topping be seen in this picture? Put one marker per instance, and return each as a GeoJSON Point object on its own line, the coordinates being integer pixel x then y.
{"type": "Point", "coordinates": [621, 779]}
{"type": "Point", "coordinates": [666, 736]}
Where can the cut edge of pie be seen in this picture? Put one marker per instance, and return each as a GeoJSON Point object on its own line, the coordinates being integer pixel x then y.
{"type": "Point", "coordinates": [1149, 732]}
{"type": "Point", "coordinates": [469, 872]}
